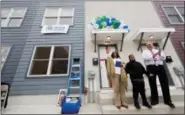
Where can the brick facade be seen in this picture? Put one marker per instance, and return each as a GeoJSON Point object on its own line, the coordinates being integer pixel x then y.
{"type": "Point", "coordinates": [178, 36]}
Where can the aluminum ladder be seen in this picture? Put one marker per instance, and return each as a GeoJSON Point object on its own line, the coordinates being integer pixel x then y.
{"type": "Point", "coordinates": [75, 82]}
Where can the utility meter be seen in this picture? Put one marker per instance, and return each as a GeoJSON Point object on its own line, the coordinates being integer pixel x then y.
{"type": "Point", "coordinates": [91, 75]}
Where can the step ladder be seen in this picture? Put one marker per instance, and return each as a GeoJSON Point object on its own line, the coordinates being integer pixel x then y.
{"type": "Point", "coordinates": [4, 95]}
{"type": "Point", "coordinates": [74, 82]}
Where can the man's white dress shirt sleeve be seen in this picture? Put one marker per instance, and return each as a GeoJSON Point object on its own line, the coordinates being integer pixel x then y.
{"type": "Point", "coordinates": [163, 56]}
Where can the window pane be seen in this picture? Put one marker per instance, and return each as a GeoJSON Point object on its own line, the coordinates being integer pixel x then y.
{"type": "Point", "coordinates": [61, 52]}
{"type": "Point", "coordinates": [15, 23]}
{"type": "Point", "coordinates": [67, 12]}
{"type": "Point", "coordinates": [59, 67]}
{"type": "Point", "coordinates": [175, 19]}
{"type": "Point", "coordinates": [5, 12]}
{"type": "Point", "coordinates": [18, 12]}
{"type": "Point", "coordinates": [170, 11]}
{"type": "Point", "coordinates": [42, 53]}
{"type": "Point", "coordinates": [67, 21]}
{"type": "Point", "coordinates": [3, 22]}
{"type": "Point", "coordinates": [50, 21]}
{"type": "Point", "coordinates": [50, 12]}
{"type": "Point", "coordinates": [39, 67]}
{"type": "Point", "coordinates": [181, 10]}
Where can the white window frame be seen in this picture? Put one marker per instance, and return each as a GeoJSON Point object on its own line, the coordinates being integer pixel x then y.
{"type": "Point", "coordinates": [2, 64]}
{"type": "Point", "coordinates": [183, 44]}
{"type": "Point", "coordinates": [175, 7]}
{"type": "Point", "coordinates": [9, 17]}
{"type": "Point", "coordinates": [59, 16]}
{"type": "Point", "coordinates": [49, 63]}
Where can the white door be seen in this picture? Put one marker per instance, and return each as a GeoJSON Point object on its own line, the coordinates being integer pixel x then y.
{"type": "Point", "coordinates": [104, 52]}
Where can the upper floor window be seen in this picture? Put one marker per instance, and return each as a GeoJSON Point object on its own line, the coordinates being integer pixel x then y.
{"type": "Point", "coordinates": [58, 16]}
{"type": "Point", "coordinates": [175, 14]}
{"type": "Point", "coordinates": [12, 17]}
{"type": "Point", "coordinates": [4, 54]}
{"type": "Point", "coordinates": [183, 44]}
{"type": "Point", "coordinates": [50, 61]}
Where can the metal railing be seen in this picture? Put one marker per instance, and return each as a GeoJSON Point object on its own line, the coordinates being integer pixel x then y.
{"type": "Point", "coordinates": [179, 71]}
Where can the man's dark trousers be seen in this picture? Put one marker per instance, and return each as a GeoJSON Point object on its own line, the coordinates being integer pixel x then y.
{"type": "Point", "coordinates": [139, 88]}
{"type": "Point", "coordinates": [153, 71]}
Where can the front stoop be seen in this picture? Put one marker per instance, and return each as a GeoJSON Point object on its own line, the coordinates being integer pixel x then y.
{"type": "Point", "coordinates": [107, 107]}
{"type": "Point", "coordinates": [158, 109]}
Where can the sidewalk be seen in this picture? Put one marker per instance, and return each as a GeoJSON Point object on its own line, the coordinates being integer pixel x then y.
{"type": "Point", "coordinates": [42, 104]}
{"type": "Point", "coordinates": [91, 108]}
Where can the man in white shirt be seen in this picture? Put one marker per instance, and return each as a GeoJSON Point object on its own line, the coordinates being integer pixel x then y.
{"type": "Point", "coordinates": [153, 59]}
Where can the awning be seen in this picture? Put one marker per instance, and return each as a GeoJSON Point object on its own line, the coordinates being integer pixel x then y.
{"type": "Point", "coordinates": [109, 31]}
{"type": "Point", "coordinates": [144, 34]}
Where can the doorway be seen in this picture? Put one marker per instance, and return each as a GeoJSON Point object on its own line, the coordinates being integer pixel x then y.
{"type": "Point", "coordinates": [104, 51]}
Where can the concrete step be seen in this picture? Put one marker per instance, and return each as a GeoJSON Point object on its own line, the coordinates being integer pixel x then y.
{"type": "Point", "coordinates": [106, 96]}
{"type": "Point", "coordinates": [158, 109]}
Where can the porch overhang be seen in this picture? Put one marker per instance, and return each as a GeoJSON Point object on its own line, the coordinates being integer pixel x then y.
{"type": "Point", "coordinates": [159, 34]}
{"type": "Point", "coordinates": [109, 31]}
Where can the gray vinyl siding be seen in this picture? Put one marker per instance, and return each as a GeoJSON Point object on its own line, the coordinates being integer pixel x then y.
{"type": "Point", "coordinates": [15, 38]}
{"type": "Point", "coordinates": [21, 84]}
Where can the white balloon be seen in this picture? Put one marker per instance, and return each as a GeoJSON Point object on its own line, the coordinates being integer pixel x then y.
{"type": "Point", "coordinates": [96, 26]}
{"type": "Point", "coordinates": [93, 21]}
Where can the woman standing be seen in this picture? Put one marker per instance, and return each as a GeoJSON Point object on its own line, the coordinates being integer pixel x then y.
{"type": "Point", "coordinates": [118, 77]}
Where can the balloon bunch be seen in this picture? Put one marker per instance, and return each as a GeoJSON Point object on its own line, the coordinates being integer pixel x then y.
{"type": "Point", "coordinates": [107, 22]}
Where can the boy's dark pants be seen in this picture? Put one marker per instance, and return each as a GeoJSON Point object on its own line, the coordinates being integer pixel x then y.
{"type": "Point", "coordinates": [139, 87]}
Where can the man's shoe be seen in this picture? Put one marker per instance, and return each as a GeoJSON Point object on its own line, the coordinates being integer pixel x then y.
{"type": "Point", "coordinates": [147, 105]}
{"type": "Point", "coordinates": [154, 103]}
{"type": "Point", "coordinates": [170, 105]}
{"type": "Point", "coordinates": [137, 106]}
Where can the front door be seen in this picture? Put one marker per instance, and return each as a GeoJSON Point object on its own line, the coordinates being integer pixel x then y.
{"type": "Point", "coordinates": [105, 51]}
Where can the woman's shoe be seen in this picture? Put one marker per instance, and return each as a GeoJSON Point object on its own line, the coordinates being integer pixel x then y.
{"type": "Point", "coordinates": [119, 107]}
{"type": "Point", "coordinates": [126, 106]}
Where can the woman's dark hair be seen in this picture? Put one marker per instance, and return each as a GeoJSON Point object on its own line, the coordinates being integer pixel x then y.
{"type": "Point", "coordinates": [117, 55]}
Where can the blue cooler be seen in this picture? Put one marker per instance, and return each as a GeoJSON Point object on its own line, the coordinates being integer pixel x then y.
{"type": "Point", "coordinates": [70, 107]}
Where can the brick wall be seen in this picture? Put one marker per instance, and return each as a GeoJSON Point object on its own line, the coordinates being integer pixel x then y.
{"type": "Point", "coordinates": [178, 36]}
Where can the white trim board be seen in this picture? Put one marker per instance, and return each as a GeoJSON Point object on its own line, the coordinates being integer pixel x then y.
{"type": "Point", "coordinates": [152, 30]}
{"type": "Point", "coordinates": [94, 31]}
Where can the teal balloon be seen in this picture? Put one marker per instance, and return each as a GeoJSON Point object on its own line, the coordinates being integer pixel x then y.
{"type": "Point", "coordinates": [104, 18]}
{"type": "Point", "coordinates": [114, 22]}
{"type": "Point", "coordinates": [100, 26]}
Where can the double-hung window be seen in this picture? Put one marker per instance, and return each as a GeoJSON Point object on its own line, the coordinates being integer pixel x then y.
{"type": "Point", "coordinates": [4, 54]}
{"type": "Point", "coordinates": [174, 14]}
{"type": "Point", "coordinates": [12, 17]}
{"type": "Point", "coordinates": [58, 16]}
{"type": "Point", "coordinates": [50, 61]}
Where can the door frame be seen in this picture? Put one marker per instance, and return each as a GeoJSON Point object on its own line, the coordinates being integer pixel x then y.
{"type": "Point", "coordinates": [103, 45]}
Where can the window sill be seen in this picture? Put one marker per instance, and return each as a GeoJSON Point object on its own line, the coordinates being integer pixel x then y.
{"type": "Point", "coordinates": [46, 76]}
{"type": "Point", "coordinates": [177, 23]}
{"type": "Point", "coordinates": [43, 25]}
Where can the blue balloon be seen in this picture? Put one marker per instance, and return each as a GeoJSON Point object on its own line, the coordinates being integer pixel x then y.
{"type": "Point", "coordinates": [112, 19]}
{"type": "Point", "coordinates": [98, 22]}
{"type": "Point", "coordinates": [108, 22]}
{"type": "Point", "coordinates": [125, 27]}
